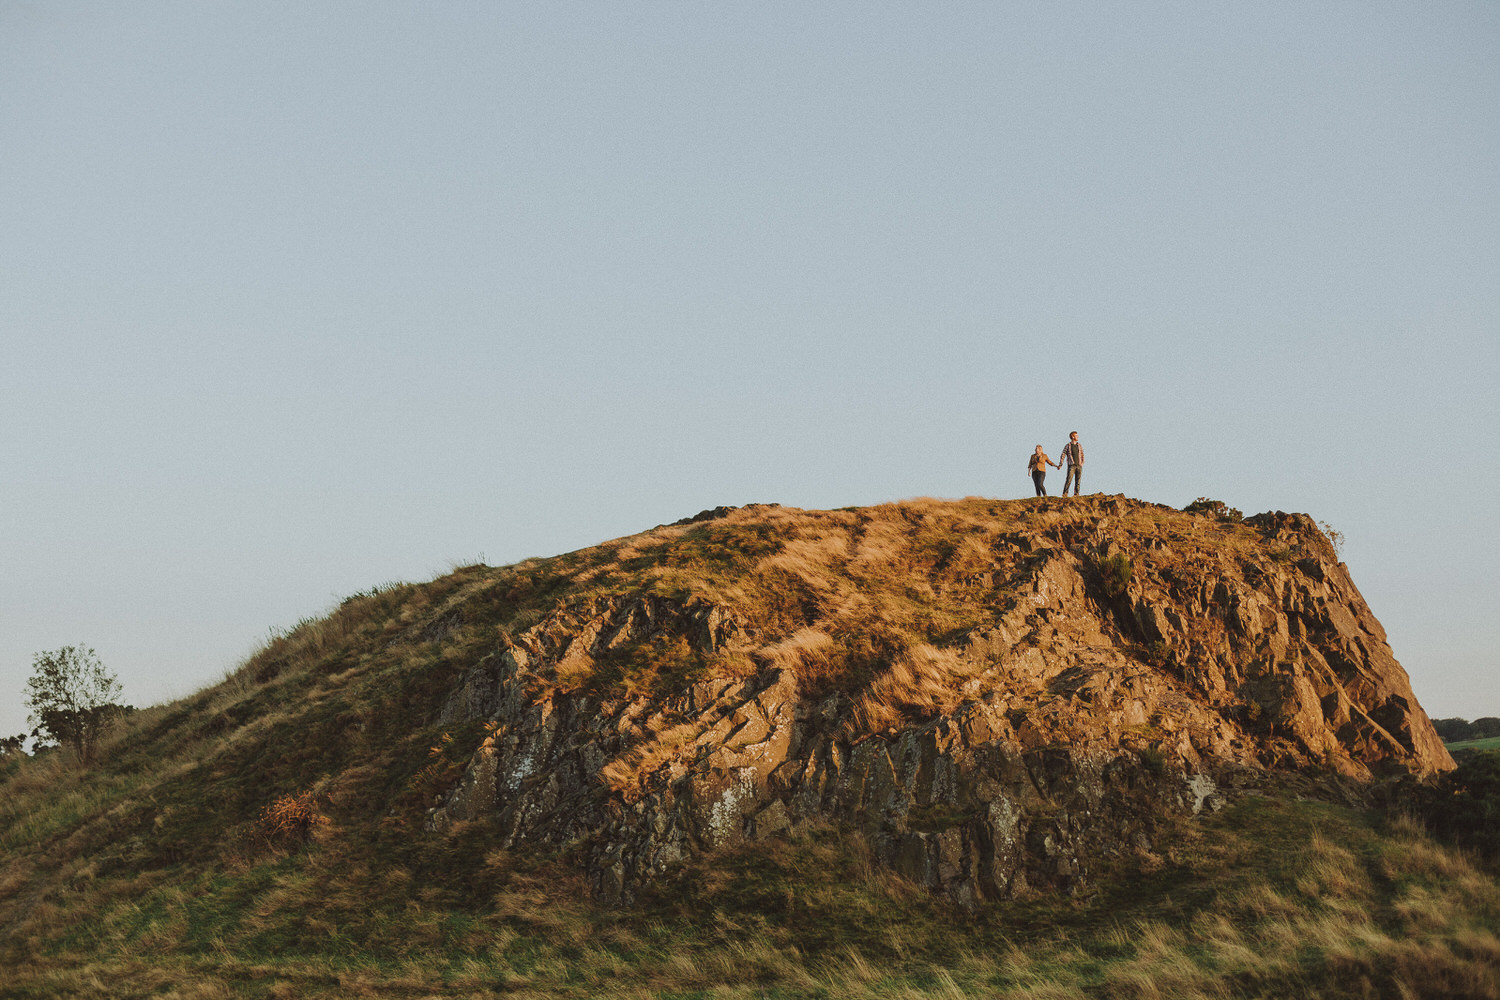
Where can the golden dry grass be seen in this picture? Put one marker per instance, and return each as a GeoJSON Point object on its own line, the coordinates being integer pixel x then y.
{"type": "Point", "coordinates": [922, 681]}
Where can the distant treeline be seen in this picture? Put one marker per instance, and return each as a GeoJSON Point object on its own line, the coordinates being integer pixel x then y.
{"type": "Point", "coordinates": [1458, 730]}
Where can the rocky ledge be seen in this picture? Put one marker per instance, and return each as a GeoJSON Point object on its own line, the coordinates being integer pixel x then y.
{"type": "Point", "coordinates": [1103, 663]}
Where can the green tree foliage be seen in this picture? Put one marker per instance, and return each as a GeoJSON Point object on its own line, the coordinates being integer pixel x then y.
{"type": "Point", "coordinates": [1463, 806]}
{"type": "Point", "coordinates": [1458, 730]}
{"type": "Point", "coordinates": [71, 698]}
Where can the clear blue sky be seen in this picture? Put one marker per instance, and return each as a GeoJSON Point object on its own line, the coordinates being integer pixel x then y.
{"type": "Point", "coordinates": [297, 299]}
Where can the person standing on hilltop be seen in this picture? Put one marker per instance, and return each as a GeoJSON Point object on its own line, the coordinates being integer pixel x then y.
{"type": "Point", "coordinates": [1072, 453]}
{"type": "Point", "coordinates": [1038, 469]}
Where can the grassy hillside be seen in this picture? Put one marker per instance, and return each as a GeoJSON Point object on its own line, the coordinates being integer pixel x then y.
{"type": "Point", "coordinates": [1273, 897]}
{"type": "Point", "coordinates": [266, 837]}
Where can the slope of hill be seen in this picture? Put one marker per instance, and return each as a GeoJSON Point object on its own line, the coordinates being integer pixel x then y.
{"type": "Point", "coordinates": [978, 700]}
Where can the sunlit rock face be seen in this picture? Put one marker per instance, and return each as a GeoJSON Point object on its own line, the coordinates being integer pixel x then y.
{"type": "Point", "coordinates": [1000, 695]}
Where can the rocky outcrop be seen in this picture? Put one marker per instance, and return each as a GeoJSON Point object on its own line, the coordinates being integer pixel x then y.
{"type": "Point", "coordinates": [1126, 661]}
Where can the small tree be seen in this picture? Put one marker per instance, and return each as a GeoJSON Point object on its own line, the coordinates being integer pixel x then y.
{"type": "Point", "coordinates": [71, 699]}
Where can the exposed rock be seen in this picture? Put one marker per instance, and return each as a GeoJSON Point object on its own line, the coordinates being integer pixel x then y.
{"type": "Point", "coordinates": [1010, 757]}
{"type": "Point", "coordinates": [717, 513]}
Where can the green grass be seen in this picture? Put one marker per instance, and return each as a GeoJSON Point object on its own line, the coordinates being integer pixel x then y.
{"type": "Point", "coordinates": [1272, 897]}
{"type": "Point", "coordinates": [1492, 743]}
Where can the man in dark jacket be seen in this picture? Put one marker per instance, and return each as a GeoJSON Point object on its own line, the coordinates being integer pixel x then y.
{"type": "Point", "coordinates": [1072, 453]}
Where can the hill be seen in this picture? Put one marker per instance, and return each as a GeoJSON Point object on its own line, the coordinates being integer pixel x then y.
{"type": "Point", "coordinates": [996, 694]}
{"type": "Point", "coordinates": [780, 718]}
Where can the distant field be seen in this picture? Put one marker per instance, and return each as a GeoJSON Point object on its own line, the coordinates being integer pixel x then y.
{"type": "Point", "coordinates": [1491, 743]}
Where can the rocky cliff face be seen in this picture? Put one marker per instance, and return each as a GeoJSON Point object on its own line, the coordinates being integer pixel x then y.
{"type": "Point", "coordinates": [999, 695]}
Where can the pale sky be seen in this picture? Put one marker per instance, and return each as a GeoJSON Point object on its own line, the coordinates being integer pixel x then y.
{"type": "Point", "coordinates": [297, 299]}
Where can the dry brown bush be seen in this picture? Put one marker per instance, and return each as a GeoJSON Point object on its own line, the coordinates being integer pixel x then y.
{"type": "Point", "coordinates": [291, 819]}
